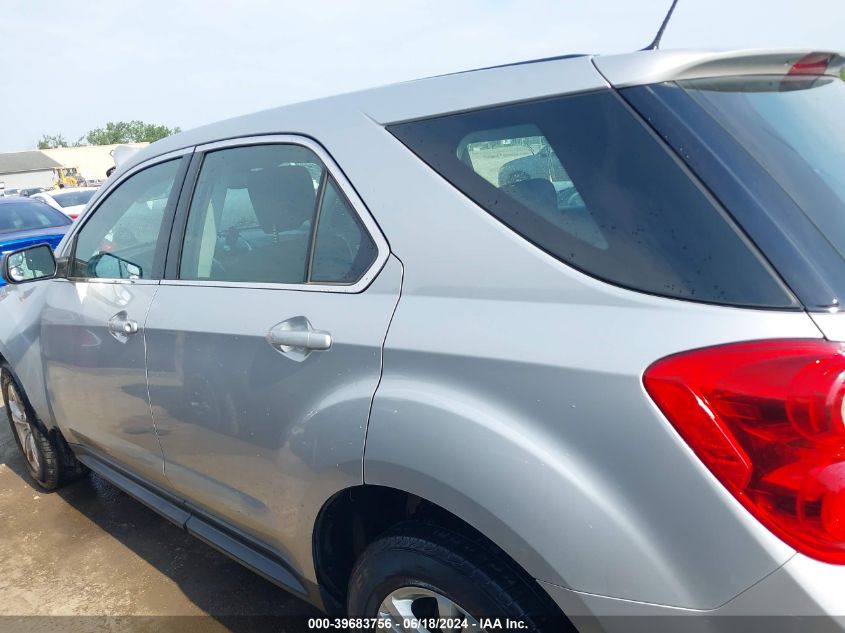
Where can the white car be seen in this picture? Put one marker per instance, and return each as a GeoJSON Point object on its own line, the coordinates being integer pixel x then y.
{"type": "Point", "coordinates": [70, 201]}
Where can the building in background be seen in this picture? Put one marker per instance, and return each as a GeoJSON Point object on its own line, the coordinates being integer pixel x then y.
{"type": "Point", "coordinates": [91, 161]}
{"type": "Point", "coordinates": [22, 170]}
{"type": "Point", "coordinates": [39, 168]}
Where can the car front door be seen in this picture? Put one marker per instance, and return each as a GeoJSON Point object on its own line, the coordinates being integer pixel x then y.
{"type": "Point", "coordinates": [264, 340]}
{"type": "Point", "coordinates": [93, 320]}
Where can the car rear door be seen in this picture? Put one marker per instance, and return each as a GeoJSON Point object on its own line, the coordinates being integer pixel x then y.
{"type": "Point", "coordinates": [93, 321]}
{"type": "Point", "coordinates": [264, 340]}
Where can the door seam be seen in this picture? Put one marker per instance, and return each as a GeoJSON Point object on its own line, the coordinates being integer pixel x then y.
{"type": "Point", "coordinates": [147, 382]}
{"type": "Point", "coordinates": [381, 364]}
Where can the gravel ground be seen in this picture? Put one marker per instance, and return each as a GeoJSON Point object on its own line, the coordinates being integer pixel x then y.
{"type": "Point", "coordinates": [91, 558]}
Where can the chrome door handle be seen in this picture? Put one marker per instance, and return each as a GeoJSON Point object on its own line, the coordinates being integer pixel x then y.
{"type": "Point", "coordinates": [120, 325]}
{"type": "Point", "coordinates": [296, 338]}
{"type": "Point", "coordinates": [314, 340]}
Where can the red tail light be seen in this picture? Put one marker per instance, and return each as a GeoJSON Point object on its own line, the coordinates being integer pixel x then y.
{"type": "Point", "coordinates": [766, 418]}
{"type": "Point", "coordinates": [812, 64]}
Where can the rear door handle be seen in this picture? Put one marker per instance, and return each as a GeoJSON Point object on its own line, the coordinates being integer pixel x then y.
{"type": "Point", "coordinates": [121, 326]}
{"type": "Point", "coordinates": [296, 338]}
{"type": "Point", "coordinates": [314, 340]}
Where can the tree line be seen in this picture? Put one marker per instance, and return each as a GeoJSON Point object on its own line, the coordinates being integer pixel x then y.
{"type": "Point", "coordinates": [113, 133]}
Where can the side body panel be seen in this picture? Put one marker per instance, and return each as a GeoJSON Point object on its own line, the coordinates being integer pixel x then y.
{"type": "Point", "coordinates": [802, 591]}
{"type": "Point", "coordinates": [96, 380]}
{"type": "Point", "coordinates": [252, 437]}
{"type": "Point", "coordinates": [512, 396]}
{"type": "Point", "coordinates": [20, 342]}
{"type": "Point", "coordinates": [81, 375]}
{"type": "Point", "coordinates": [543, 437]}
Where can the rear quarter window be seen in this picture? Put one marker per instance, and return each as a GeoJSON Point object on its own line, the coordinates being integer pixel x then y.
{"type": "Point", "coordinates": [582, 178]}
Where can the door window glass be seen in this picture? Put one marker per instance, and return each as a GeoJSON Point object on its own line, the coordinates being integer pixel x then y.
{"type": "Point", "coordinates": [122, 236]}
{"type": "Point", "coordinates": [251, 215]}
{"type": "Point", "coordinates": [343, 249]}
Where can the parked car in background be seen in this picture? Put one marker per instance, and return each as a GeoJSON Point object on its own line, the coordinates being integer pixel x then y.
{"type": "Point", "coordinates": [9, 193]}
{"type": "Point", "coordinates": [70, 201]}
{"type": "Point", "coordinates": [25, 222]}
{"type": "Point", "coordinates": [32, 191]}
{"type": "Point", "coordinates": [354, 358]}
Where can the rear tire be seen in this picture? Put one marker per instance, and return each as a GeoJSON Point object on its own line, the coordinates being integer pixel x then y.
{"type": "Point", "coordinates": [47, 457]}
{"type": "Point", "coordinates": [418, 570]}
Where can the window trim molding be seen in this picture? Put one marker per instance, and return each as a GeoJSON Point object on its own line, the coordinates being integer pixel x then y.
{"type": "Point", "coordinates": [333, 171]}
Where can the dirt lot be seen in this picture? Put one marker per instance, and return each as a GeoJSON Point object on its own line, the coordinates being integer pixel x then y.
{"type": "Point", "coordinates": [91, 558]}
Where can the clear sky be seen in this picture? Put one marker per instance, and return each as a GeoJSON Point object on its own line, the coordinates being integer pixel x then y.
{"type": "Point", "coordinates": [67, 67]}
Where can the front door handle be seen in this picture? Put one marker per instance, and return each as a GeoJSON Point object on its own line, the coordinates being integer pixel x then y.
{"type": "Point", "coordinates": [121, 326]}
{"type": "Point", "coordinates": [296, 338]}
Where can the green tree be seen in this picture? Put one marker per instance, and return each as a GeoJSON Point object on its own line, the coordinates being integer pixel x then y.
{"type": "Point", "coordinates": [129, 132]}
{"type": "Point", "coordinates": [52, 141]}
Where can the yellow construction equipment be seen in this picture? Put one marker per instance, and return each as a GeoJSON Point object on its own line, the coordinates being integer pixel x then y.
{"type": "Point", "coordinates": [66, 177]}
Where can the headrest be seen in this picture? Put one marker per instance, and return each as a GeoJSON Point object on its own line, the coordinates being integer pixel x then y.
{"type": "Point", "coordinates": [283, 197]}
{"type": "Point", "coordinates": [538, 194]}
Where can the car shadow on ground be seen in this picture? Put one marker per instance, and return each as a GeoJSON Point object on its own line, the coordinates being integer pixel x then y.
{"type": "Point", "coordinates": [179, 583]}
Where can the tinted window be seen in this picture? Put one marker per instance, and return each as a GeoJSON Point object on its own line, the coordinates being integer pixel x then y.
{"type": "Point", "coordinates": [121, 238]}
{"type": "Point", "coordinates": [586, 181]}
{"type": "Point", "coordinates": [251, 215]}
{"type": "Point", "coordinates": [343, 249]}
{"type": "Point", "coordinates": [28, 215]}
{"type": "Point", "coordinates": [795, 128]}
{"type": "Point", "coordinates": [252, 219]}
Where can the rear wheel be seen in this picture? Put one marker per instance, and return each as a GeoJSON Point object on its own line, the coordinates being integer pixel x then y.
{"type": "Point", "coordinates": [422, 577]}
{"type": "Point", "coordinates": [47, 458]}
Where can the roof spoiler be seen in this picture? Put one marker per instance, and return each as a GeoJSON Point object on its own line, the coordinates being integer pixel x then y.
{"type": "Point", "coordinates": [648, 67]}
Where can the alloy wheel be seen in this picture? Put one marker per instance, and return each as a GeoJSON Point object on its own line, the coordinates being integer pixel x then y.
{"type": "Point", "coordinates": [23, 428]}
{"type": "Point", "coordinates": [422, 610]}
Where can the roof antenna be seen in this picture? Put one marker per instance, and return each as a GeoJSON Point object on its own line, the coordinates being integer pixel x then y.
{"type": "Point", "coordinates": [656, 42]}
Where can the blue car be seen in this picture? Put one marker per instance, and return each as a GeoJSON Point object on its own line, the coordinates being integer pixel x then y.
{"type": "Point", "coordinates": [26, 222]}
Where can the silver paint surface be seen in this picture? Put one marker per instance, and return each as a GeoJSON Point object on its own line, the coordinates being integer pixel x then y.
{"type": "Point", "coordinates": [252, 436]}
{"type": "Point", "coordinates": [511, 389]}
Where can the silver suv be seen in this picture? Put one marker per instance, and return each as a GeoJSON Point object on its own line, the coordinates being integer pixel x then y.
{"type": "Point", "coordinates": [332, 341]}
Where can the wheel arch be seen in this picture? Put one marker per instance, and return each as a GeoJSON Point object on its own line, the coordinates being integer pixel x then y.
{"type": "Point", "coordinates": [47, 429]}
{"type": "Point", "coordinates": [355, 517]}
